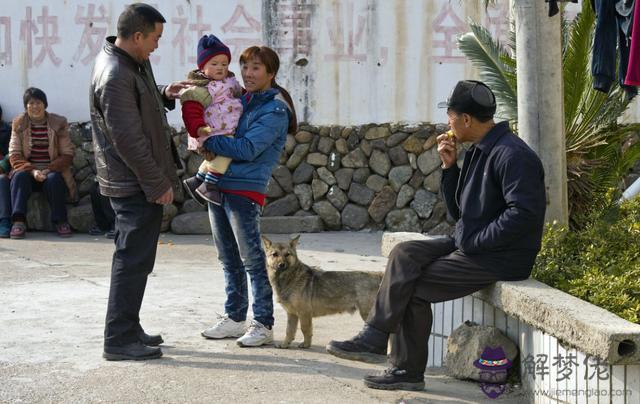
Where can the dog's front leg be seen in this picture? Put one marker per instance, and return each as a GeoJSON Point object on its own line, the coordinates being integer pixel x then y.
{"type": "Point", "coordinates": [306, 326]}
{"type": "Point", "coordinates": [292, 325]}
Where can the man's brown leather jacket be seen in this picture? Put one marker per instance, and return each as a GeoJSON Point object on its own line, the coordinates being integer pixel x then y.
{"type": "Point", "coordinates": [131, 136]}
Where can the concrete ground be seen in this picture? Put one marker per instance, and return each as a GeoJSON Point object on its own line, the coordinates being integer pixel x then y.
{"type": "Point", "coordinates": [53, 295]}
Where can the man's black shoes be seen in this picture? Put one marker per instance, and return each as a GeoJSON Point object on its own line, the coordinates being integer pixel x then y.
{"type": "Point", "coordinates": [370, 345]}
{"type": "Point", "coordinates": [150, 340]}
{"type": "Point", "coordinates": [396, 379]}
{"type": "Point", "coordinates": [135, 351]}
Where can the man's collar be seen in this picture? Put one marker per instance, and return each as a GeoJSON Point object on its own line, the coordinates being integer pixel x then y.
{"type": "Point", "coordinates": [110, 47]}
{"type": "Point", "coordinates": [495, 133]}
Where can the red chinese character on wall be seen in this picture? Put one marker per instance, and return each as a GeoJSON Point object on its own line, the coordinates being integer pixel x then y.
{"type": "Point", "coordinates": [448, 24]}
{"type": "Point", "coordinates": [199, 28]}
{"type": "Point", "coordinates": [5, 40]}
{"type": "Point", "coordinates": [293, 33]}
{"type": "Point", "coordinates": [346, 34]}
{"type": "Point", "coordinates": [48, 37]}
{"type": "Point", "coordinates": [181, 40]}
{"type": "Point", "coordinates": [247, 30]}
{"type": "Point", "coordinates": [92, 35]}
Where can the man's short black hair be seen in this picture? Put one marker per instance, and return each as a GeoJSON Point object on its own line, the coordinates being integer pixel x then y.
{"type": "Point", "coordinates": [36, 93]}
{"type": "Point", "coordinates": [138, 17]}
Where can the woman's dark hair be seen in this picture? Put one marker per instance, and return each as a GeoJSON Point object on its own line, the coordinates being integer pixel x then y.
{"type": "Point", "coordinates": [138, 17]}
{"type": "Point", "coordinates": [269, 58]}
{"type": "Point", "coordinates": [36, 93]}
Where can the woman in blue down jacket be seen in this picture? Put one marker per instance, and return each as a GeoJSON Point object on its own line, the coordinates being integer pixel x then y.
{"type": "Point", "coordinates": [262, 129]}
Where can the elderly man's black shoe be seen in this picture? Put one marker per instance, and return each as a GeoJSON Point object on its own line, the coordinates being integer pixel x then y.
{"type": "Point", "coordinates": [370, 345]}
{"type": "Point", "coordinates": [150, 340]}
{"type": "Point", "coordinates": [136, 351]}
{"type": "Point", "coordinates": [396, 379]}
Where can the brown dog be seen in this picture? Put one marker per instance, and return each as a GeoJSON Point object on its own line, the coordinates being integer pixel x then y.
{"type": "Point", "coordinates": [306, 292]}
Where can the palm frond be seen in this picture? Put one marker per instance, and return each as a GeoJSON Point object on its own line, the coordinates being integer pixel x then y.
{"type": "Point", "coordinates": [496, 67]}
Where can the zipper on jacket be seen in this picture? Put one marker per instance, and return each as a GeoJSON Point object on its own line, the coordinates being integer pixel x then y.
{"type": "Point", "coordinates": [466, 173]}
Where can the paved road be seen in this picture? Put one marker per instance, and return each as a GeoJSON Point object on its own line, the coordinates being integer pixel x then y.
{"type": "Point", "coordinates": [53, 295]}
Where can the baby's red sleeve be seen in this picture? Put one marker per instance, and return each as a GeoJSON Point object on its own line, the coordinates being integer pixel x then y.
{"type": "Point", "coordinates": [193, 117]}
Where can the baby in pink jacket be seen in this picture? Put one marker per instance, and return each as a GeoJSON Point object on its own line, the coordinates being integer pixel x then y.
{"type": "Point", "coordinates": [210, 108]}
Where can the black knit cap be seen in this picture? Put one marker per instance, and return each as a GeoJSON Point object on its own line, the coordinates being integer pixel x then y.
{"type": "Point", "coordinates": [36, 93]}
{"type": "Point", "coordinates": [471, 97]}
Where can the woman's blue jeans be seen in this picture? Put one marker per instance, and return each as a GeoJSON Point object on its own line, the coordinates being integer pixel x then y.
{"type": "Point", "coordinates": [236, 233]}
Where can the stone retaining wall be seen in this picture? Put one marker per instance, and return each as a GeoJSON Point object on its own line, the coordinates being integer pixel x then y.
{"type": "Point", "coordinates": [380, 177]}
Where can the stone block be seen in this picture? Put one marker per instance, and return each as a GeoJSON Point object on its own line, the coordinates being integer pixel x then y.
{"type": "Point", "coordinates": [38, 212]}
{"type": "Point", "coordinates": [399, 176]}
{"type": "Point", "coordinates": [360, 194]}
{"type": "Point", "coordinates": [304, 192]}
{"type": "Point", "coordinates": [337, 197]}
{"type": "Point", "coordinates": [466, 345]}
{"type": "Point", "coordinates": [423, 203]}
{"type": "Point", "coordinates": [382, 204]}
{"type": "Point", "coordinates": [354, 217]}
{"type": "Point", "coordinates": [168, 213]}
{"type": "Point", "coordinates": [282, 207]}
{"type": "Point", "coordinates": [303, 173]}
{"type": "Point", "coordinates": [291, 224]}
{"type": "Point", "coordinates": [284, 178]}
{"type": "Point", "coordinates": [329, 214]}
{"type": "Point", "coordinates": [403, 220]}
{"type": "Point", "coordinates": [81, 217]}
{"type": "Point", "coordinates": [191, 223]}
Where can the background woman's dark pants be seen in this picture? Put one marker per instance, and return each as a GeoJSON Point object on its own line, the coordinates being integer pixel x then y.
{"type": "Point", "coordinates": [22, 184]}
{"type": "Point", "coordinates": [102, 211]}
{"type": "Point", "coordinates": [137, 232]}
{"type": "Point", "coordinates": [5, 197]}
{"type": "Point", "coordinates": [420, 273]}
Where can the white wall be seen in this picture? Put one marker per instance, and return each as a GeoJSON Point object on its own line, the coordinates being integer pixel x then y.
{"type": "Point", "coordinates": [367, 60]}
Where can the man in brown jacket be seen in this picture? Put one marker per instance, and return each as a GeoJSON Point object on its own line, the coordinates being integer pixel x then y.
{"type": "Point", "coordinates": [136, 166]}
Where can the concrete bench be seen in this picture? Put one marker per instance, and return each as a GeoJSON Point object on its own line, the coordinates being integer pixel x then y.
{"type": "Point", "coordinates": [546, 324]}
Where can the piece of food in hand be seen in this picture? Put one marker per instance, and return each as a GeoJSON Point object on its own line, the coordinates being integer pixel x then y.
{"type": "Point", "coordinates": [449, 134]}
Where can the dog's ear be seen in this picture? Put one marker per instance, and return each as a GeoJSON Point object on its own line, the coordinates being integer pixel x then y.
{"type": "Point", "coordinates": [294, 241]}
{"type": "Point", "coordinates": [266, 241]}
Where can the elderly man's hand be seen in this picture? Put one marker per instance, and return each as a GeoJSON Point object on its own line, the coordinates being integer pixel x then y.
{"type": "Point", "coordinates": [447, 149]}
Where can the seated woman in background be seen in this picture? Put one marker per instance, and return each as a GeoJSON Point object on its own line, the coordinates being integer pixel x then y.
{"type": "Point", "coordinates": [41, 153]}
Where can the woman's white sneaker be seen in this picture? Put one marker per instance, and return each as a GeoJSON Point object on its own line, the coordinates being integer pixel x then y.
{"type": "Point", "coordinates": [257, 334]}
{"type": "Point", "coordinates": [225, 328]}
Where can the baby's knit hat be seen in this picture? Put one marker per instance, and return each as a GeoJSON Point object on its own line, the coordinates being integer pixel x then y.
{"type": "Point", "coordinates": [210, 46]}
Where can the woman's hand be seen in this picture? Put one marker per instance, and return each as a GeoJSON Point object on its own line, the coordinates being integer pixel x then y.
{"type": "Point", "coordinates": [206, 153]}
{"type": "Point", "coordinates": [40, 175]}
{"type": "Point", "coordinates": [447, 149]}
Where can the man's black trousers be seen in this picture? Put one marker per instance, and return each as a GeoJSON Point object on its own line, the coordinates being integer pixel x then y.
{"type": "Point", "coordinates": [137, 231]}
{"type": "Point", "coordinates": [420, 273]}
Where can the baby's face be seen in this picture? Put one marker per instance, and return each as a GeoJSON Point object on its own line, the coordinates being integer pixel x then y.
{"type": "Point", "coordinates": [217, 67]}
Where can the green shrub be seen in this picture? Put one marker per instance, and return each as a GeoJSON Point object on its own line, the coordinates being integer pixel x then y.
{"type": "Point", "coordinates": [599, 263]}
